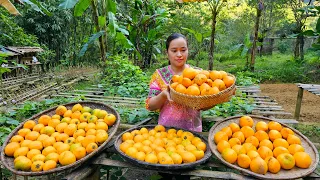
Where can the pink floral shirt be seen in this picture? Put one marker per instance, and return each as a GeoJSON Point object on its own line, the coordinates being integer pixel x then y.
{"type": "Point", "coordinates": [171, 113]}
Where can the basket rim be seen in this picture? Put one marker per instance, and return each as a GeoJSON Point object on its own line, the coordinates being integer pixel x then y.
{"type": "Point", "coordinates": [76, 164]}
{"type": "Point", "coordinates": [217, 154]}
{"type": "Point", "coordinates": [163, 167]}
{"type": "Point", "coordinates": [206, 96]}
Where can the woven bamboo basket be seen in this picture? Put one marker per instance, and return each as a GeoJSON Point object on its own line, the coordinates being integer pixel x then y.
{"type": "Point", "coordinates": [282, 174]}
{"type": "Point", "coordinates": [207, 153]}
{"type": "Point", "coordinates": [8, 161]}
{"type": "Point", "coordinates": [203, 102]}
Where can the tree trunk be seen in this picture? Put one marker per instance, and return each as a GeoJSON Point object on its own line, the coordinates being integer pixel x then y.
{"type": "Point", "coordinates": [213, 31]}
{"type": "Point", "coordinates": [104, 10]}
{"type": "Point", "coordinates": [95, 15]}
{"type": "Point", "coordinates": [296, 48]}
{"type": "Point", "coordinates": [256, 29]}
{"type": "Point", "coordinates": [301, 48]}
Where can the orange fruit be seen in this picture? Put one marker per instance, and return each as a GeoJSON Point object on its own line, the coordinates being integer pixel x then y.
{"type": "Point", "coordinates": [234, 141]}
{"type": "Point", "coordinates": [74, 121]}
{"type": "Point", "coordinates": [302, 159]}
{"type": "Point", "coordinates": [63, 148]}
{"type": "Point", "coordinates": [37, 166]}
{"type": "Point", "coordinates": [91, 147]}
{"type": "Point", "coordinates": [38, 157]}
{"type": "Point", "coordinates": [261, 135]}
{"type": "Point", "coordinates": [223, 74]}
{"type": "Point", "coordinates": [56, 116]}
{"type": "Point", "coordinates": [110, 119]}
{"type": "Point", "coordinates": [87, 140]}
{"type": "Point", "coordinates": [70, 129]}
{"type": "Point", "coordinates": [227, 130]}
{"type": "Point", "coordinates": [76, 107]}
{"type": "Point", "coordinates": [239, 149]}
{"type": "Point", "coordinates": [102, 125]}
{"type": "Point", "coordinates": [141, 155]}
{"type": "Point", "coordinates": [25, 143]}
{"type": "Point", "coordinates": [253, 140]}
{"type": "Point", "coordinates": [132, 152]}
{"type": "Point", "coordinates": [33, 135]}
{"type": "Point", "coordinates": [68, 114]}
{"type": "Point", "coordinates": [273, 164]}
{"type": "Point", "coordinates": [10, 148]}
{"type": "Point", "coordinates": [42, 137]}
{"type": "Point", "coordinates": [18, 138]}
{"type": "Point", "coordinates": [205, 72]}
{"type": "Point", "coordinates": [52, 156]}
{"type": "Point", "coordinates": [50, 164]}
{"type": "Point", "coordinates": [274, 134]}
{"type": "Point", "coordinates": [60, 127]}
{"type": "Point", "coordinates": [239, 135]}
{"type": "Point", "coordinates": [70, 141]}
{"type": "Point", "coordinates": [234, 127]}
{"type": "Point", "coordinates": [177, 159]}
{"type": "Point", "coordinates": [248, 147]}
{"type": "Point", "coordinates": [61, 110]}
{"type": "Point", "coordinates": [220, 136]}
{"type": "Point", "coordinates": [267, 143]}
{"type": "Point", "coordinates": [189, 73]}
{"type": "Point", "coordinates": [222, 145]}
{"type": "Point", "coordinates": [44, 119]}
{"type": "Point", "coordinates": [294, 148]}
{"type": "Point", "coordinates": [22, 132]}
{"type": "Point", "coordinates": [53, 122]}
{"type": "Point", "coordinates": [176, 78]}
{"type": "Point", "coordinates": [159, 128]}
{"type": "Point", "coordinates": [181, 88]}
{"type": "Point", "coordinates": [247, 131]}
{"type": "Point", "coordinates": [228, 81]}
{"type": "Point", "coordinates": [62, 137]}
{"type": "Point", "coordinates": [229, 155]}
{"type": "Point", "coordinates": [219, 84]}
{"type": "Point", "coordinates": [246, 121]}
{"type": "Point", "coordinates": [23, 164]}
{"type": "Point", "coordinates": [279, 150]}
{"type": "Point", "coordinates": [36, 145]}
{"type": "Point", "coordinates": [151, 158]}
{"type": "Point", "coordinates": [285, 132]}
{"type": "Point", "coordinates": [101, 137]}
{"type": "Point", "coordinates": [199, 79]}
{"type": "Point", "coordinates": [21, 151]}
{"type": "Point", "coordinates": [48, 150]}
{"type": "Point", "coordinates": [253, 154]}
{"type": "Point", "coordinates": [280, 142]}
{"type": "Point", "coordinates": [79, 152]}
{"type": "Point", "coordinates": [37, 127]}
{"type": "Point", "coordinates": [261, 125]}
{"type": "Point", "coordinates": [201, 145]}
{"type": "Point", "coordinates": [273, 125]}
{"type": "Point", "coordinates": [204, 86]}
{"type": "Point", "coordinates": [243, 160]}
{"type": "Point", "coordinates": [264, 152]}
{"type": "Point", "coordinates": [215, 75]}
{"type": "Point", "coordinates": [29, 124]}
{"type": "Point", "coordinates": [66, 158]}
{"type": "Point", "coordinates": [124, 146]}
{"type": "Point", "coordinates": [293, 139]}
{"type": "Point", "coordinates": [199, 154]}
{"type": "Point", "coordinates": [186, 82]}
{"type": "Point", "coordinates": [48, 130]}
{"type": "Point", "coordinates": [286, 160]}
{"type": "Point", "coordinates": [193, 91]}
{"type": "Point", "coordinates": [188, 157]}
{"type": "Point", "coordinates": [258, 165]}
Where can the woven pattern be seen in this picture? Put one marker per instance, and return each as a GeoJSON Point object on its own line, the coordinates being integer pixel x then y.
{"type": "Point", "coordinates": [162, 167]}
{"type": "Point", "coordinates": [203, 102]}
{"type": "Point", "coordinates": [294, 173]}
{"type": "Point", "coordinates": [8, 161]}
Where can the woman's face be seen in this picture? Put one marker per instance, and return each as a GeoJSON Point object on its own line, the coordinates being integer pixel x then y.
{"type": "Point", "coordinates": [178, 52]}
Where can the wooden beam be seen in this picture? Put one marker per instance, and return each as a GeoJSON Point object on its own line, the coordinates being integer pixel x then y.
{"type": "Point", "coordinates": [298, 104]}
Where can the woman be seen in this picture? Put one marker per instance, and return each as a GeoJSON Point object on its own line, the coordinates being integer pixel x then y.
{"type": "Point", "coordinates": [171, 113]}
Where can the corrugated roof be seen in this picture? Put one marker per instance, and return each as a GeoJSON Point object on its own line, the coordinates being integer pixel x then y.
{"type": "Point", "coordinates": [23, 50]}
{"type": "Point", "coordinates": [9, 52]}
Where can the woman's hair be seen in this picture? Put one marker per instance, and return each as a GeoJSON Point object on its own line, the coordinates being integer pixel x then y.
{"type": "Point", "coordinates": [173, 37]}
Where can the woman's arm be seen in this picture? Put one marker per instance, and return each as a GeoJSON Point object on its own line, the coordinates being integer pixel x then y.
{"type": "Point", "coordinates": [157, 102]}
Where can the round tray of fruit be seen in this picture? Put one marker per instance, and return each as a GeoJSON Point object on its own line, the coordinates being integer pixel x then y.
{"type": "Point", "coordinates": [202, 89]}
{"type": "Point", "coordinates": [60, 138]}
{"type": "Point", "coordinates": [263, 148]}
{"type": "Point", "coordinates": [162, 148]}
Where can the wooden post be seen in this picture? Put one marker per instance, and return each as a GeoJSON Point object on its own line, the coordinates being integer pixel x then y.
{"type": "Point", "coordinates": [298, 104]}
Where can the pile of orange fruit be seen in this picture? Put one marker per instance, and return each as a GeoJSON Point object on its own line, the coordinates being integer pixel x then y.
{"type": "Point", "coordinates": [267, 147]}
{"type": "Point", "coordinates": [197, 82]}
{"type": "Point", "coordinates": [161, 146]}
{"type": "Point", "coordinates": [63, 138]}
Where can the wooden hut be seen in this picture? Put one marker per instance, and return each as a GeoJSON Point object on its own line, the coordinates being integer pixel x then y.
{"type": "Point", "coordinates": [21, 55]}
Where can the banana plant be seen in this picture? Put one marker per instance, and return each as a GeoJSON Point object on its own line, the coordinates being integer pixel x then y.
{"type": "Point", "coordinates": [34, 4]}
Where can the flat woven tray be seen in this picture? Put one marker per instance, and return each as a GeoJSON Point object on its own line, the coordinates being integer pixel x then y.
{"type": "Point", "coordinates": [8, 161]}
{"type": "Point", "coordinates": [144, 164]}
{"type": "Point", "coordinates": [282, 174]}
{"type": "Point", "coordinates": [203, 102]}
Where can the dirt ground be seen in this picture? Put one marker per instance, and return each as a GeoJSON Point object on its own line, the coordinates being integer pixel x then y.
{"type": "Point", "coordinates": [286, 96]}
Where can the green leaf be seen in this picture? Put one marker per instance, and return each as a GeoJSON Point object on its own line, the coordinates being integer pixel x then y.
{"type": "Point", "coordinates": [102, 21]}
{"type": "Point", "coordinates": [13, 122]}
{"type": "Point", "coordinates": [126, 43]}
{"type": "Point", "coordinates": [308, 33]}
{"type": "Point", "coordinates": [10, 7]}
{"type": "Point", "coordinates": [111, 6]}
{"type": "Point", "coordinates": [68, 4]}
{"type": "Point", "coordinates": [81, 7]}
{"type": "Point", "coordinates": [90, 41]}
{"type": "Point", "coordinates": [318, 25]}
{"type": "Point", "coordinates": [112, 24]}
{"type": "Point", "coordinates": [38, 7]}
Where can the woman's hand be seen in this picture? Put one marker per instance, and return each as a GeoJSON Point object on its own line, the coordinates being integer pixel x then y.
{"type": "Point", "coordinates": [158, 101]}
{"type": "Point", "coordinates": [167, 94]}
